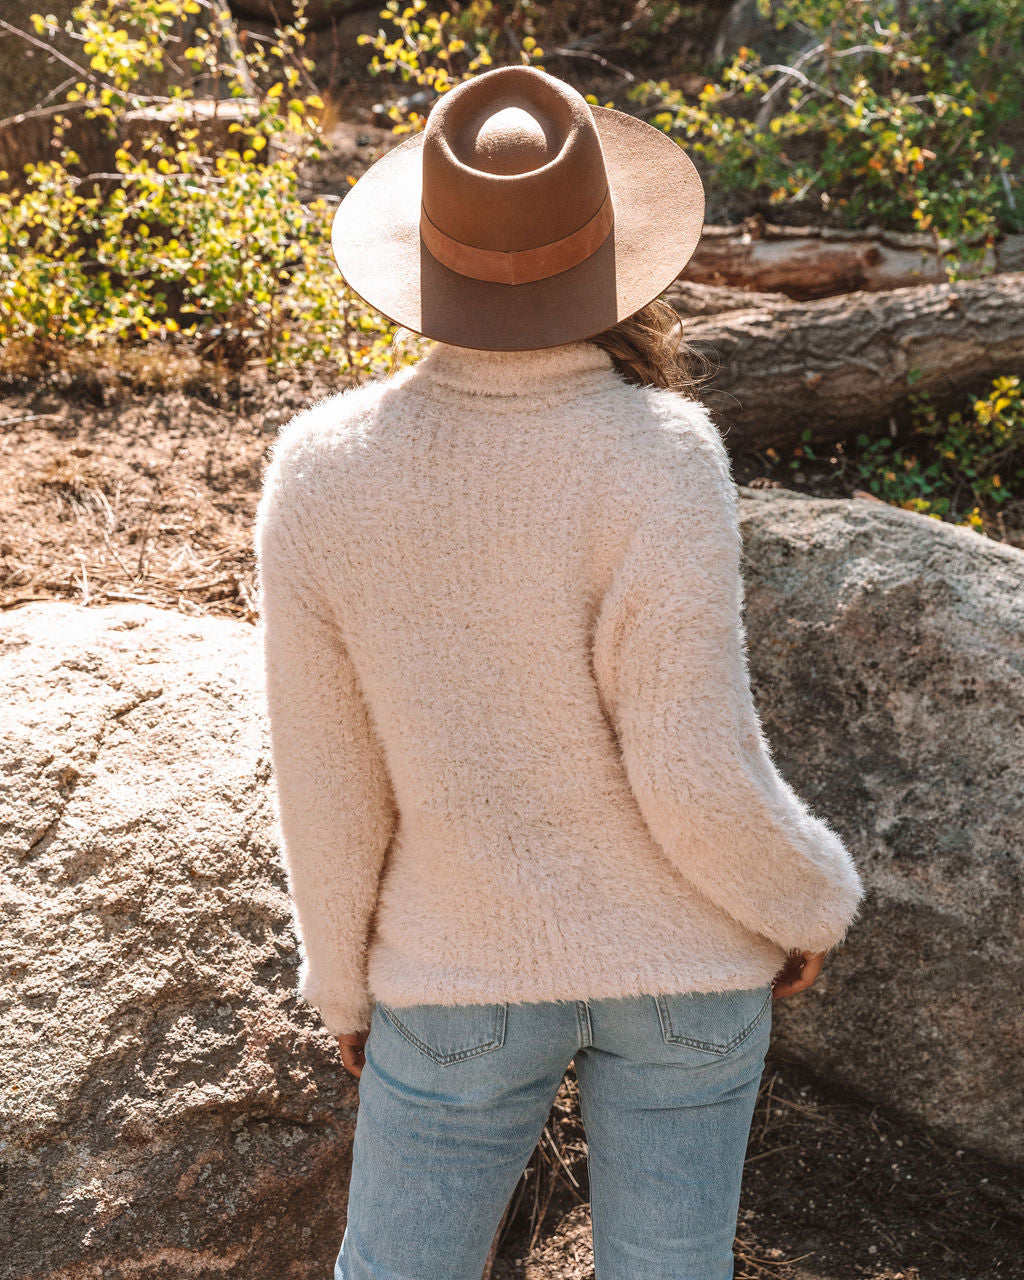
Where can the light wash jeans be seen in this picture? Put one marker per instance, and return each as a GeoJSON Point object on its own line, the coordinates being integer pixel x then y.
{"type": "Point", "coordinates": [452, 1102]}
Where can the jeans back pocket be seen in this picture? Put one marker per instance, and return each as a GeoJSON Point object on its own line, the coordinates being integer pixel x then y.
{"type": "Point", "coordinates": [450, 1033]}
{"type": "Point", "coordinates": [714, 1023]}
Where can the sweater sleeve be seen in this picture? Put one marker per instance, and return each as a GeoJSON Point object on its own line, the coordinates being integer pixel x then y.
{"type": "Point", "coordinates": [671, 664]}
{"type": "Point", "coordinates": [333, 796]}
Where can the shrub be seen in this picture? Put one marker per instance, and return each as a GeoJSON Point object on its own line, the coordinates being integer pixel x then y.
{"type": "Point", "coordinates": [436, 51]}
{"type": "Point", "coordinates": [888, 116]}
{"type": "Point", "coordinates": [182, 237]}
{"type": "Point", "coordinates": [962, 467]}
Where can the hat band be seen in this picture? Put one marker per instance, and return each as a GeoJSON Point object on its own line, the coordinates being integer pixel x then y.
{"type": "Point", "coordinates": [519, 266]}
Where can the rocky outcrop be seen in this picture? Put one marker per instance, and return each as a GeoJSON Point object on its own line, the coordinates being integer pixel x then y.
{"type": "Point", "coordinates": [169, 1109]}
{"type": "Point", "coordinates": [887, 651]}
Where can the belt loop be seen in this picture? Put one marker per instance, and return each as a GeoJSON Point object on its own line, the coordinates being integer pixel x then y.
{"type": "Point", "coordinates": [585, 1025]}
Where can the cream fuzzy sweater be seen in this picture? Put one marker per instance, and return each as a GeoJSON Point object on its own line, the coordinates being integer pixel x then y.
{"type": "Point", "coordinates": [515, 751]}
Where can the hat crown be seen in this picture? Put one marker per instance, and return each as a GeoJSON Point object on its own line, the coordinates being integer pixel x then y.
{"type": "Point", "coordinates": [512, 160]}
{"type": "Point", "coordinates": [508, 139]}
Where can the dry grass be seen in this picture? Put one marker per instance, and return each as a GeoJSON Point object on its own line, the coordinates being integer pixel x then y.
{"type": "Point", "coordinates": [133, 474]}
{"type": "Point", "coordinates": [120, 481]}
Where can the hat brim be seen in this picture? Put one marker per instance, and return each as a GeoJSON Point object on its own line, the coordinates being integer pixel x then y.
{"type": "Point", "coordinates": [658, 201]}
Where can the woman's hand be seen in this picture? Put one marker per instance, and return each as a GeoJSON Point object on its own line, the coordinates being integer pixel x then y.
{"type": "Point", "coordinates": [351, 1046]}
{"type": "Point", "coordinates": [798, 973]}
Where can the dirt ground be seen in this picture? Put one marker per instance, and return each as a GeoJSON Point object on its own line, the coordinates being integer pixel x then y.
{"type": "Point", "coordinates": [833, 1189]}
{"type": "Point", "coordinates": [108, 494]}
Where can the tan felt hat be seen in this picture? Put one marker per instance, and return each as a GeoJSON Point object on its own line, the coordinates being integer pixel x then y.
{"type": "Point", "coordinates": [520, 217]}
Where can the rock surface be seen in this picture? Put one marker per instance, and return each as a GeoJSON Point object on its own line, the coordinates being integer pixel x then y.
{"type": "Point", "coordinates": [887, 652]}
{"type": "Point", "coordinates": [168, 1108]}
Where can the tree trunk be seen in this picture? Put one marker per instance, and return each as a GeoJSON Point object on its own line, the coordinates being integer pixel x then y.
{"type": "Point", "coordinates": [818, 262]}
{"type": "Point", "coordinates": [691, 299]}
{"type": "Point", "coordinates": [842, 364]}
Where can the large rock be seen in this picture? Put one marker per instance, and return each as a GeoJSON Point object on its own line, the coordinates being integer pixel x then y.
{"type": "Point", "coordinates": [167, 1108]}
{"type": "Point", "coordinates": [887, 651]}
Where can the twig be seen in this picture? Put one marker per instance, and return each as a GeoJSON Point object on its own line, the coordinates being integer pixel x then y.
{"type": "Point", "coordinates": [565, 52]}
{"type": "Point", "coordinates": [763, 1155]}
{"type": "Point", "coordinates": [140, 100]}
{"type": "Point", "coordinates": [226, 25]}
{"type": "Point", "coordinates": [558, 1155]}
{"type": "Point", "coordinates": [795, 74]}
{"type": "Point", "coordinates": [769, 1262]}
{"type": "Point", "coordinates": [28, 417]}
{"type": "Point", "coordinates": [247, 596]}
{"type": "Point", "coordinates": [130, 595]}
{"type": "Point", "coordinates": [38, 113]}
{"type": "Point", "coordinates": [13, 601]}
{"type": "Point", "coordinates": [1008, 189]}
{"type": "Point", "coordinates": [771, 1083]}
{"type": "Point", "coordinates": [113, 552]}
{"type": "Point", "coordinates": [48, 48]}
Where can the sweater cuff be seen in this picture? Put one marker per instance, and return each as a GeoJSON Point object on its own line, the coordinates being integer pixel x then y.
{"type": "Point", "coordinates": [340, 1014]}
{"type": "Point", "coordinates": [830, 924]}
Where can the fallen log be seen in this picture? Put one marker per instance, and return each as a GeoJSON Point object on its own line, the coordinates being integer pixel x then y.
{"type": "Point", "coordinates": [818, 262]}
{"type": "Point", "coordinates": [837, 365]}
{"type": "Point", "coordinates": [691, 299]}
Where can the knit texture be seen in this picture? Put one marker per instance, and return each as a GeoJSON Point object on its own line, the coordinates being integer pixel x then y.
{"type": "Point", "coordinates": [515, 751]}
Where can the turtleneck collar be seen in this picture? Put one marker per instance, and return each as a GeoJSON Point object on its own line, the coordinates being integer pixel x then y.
{"type": "Point", "coordinates": [511, 374]}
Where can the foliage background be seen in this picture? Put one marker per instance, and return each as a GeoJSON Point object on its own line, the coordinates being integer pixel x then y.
{"type": "Point", "coordinates": [184, 225]}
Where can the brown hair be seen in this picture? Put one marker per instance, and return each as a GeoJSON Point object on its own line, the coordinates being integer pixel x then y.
{"type": "Point", "coordinates": [648, 348]}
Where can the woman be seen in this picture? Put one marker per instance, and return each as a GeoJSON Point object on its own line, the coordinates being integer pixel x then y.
{"type": "Point", "coordinates": [527, 810]}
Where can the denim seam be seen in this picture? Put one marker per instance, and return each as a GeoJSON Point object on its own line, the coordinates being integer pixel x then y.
{"type": "Point", "coordinates": [670, 1038]}
{"type": "Point", "coordinates": [446, 1059]}
{"type": "Point", "coordinates": [583, 1024]}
